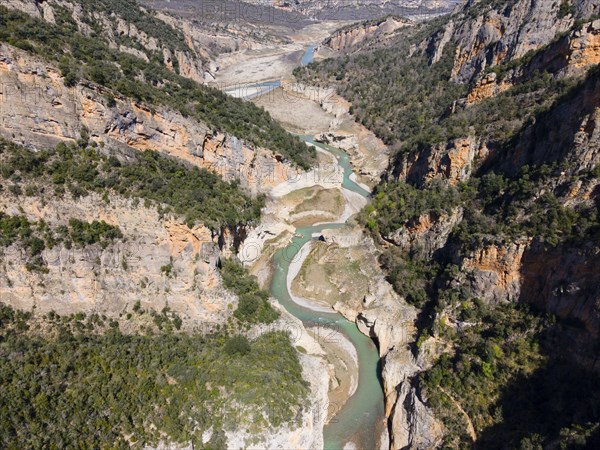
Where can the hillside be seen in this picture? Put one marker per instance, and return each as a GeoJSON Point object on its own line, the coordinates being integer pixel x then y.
{"type": "Point", "coordinates": [126, 188]}
{"type": "Point", "coordinates": [149, 67]}
{"type": "Point", "coordinates": [359, 9]}
{"type": "Point", "coordinates": [488, 216]}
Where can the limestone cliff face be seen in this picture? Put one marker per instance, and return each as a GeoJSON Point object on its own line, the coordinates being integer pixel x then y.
{"type": "Point", "coordinates": [359, 9]}
{"type": "Point", "coordinates": [209, 39]}
{"type": "Point", "coordinates": [561, 280]}
{"type": "Point", "coordinates": [125, 35]}
{"type": "Point", "coordinates": [566, 133]}
{"type": "Point", "coordinates": [570, 55]}
{"type": "Point", "coordinates": [524, 269]}
{"type": "Point", "coordinates": [111, 280]}
{"type": "Point", "coordinates": [160, 261]}
{"type": "Point", "coordinates": [493, 272]}
{"type": "Point", "coordinates": [564, 281]}
{"type": "Point", "coordinates": [503, 35]}
{"type": "Point", "coordinates": [347, 39]}
{"type": "Point", "coordinates": [450, 162]}
{"type": "Point", "coordinates": [487, 36]}
{"type": "Point", "coordinates": [569, 132]}
{"type": "Point", "coordinates": [412, 423]}
{"type": "Point", "coordinates": [427, 233]}
{"type": "Point", "coordinates": [36, 109]}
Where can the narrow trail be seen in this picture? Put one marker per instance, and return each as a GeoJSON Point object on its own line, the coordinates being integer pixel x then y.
{"type": "Point", "coordinates": [470, 427]}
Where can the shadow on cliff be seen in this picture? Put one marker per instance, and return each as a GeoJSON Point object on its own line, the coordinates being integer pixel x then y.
{"type": "Point", "coordinates": [565, 393]}
{"type": "Point", "coordinates": [561, 395]}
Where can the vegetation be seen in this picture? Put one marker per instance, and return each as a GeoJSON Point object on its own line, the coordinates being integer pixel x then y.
{"type": "Point", "coordinates": [254, 306]}
{"type": "Point", "coordinates": [34, 237]}
{"type": "Point", "coordinates": [407, 97]}
{"type": "Point", "coordinates": [565, 9]}
{"type": "Point", "coordinates": [132, 13]}
{"type": "Point", "coordinates": [196, 194]}
{"type": "Point", "coordinates": [495, 208]}
{"type": "Point", "coordinates": [109, 390]}
{"type": "Point", "coordinates": [413, 104]}
{"type": "Point", "coordinates": [84, 233]}
{"type": "Point", "coordinates": [504, 366]}
{"type": "Point", "coordinates": [81, 57]}
{"type": "Point", "coordinates": [395, 204]}
{"type": "Point", "coordinates": [514, 393]}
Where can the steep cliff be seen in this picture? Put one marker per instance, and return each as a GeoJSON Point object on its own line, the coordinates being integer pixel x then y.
{"type": "Point", "coordinates": [37, 109]}
{"type": "Point", "coordinates": [360, 9]}
{"type": "Point", "coordinates": [128, 28]}
{"type": "Point", "coordinates": [352, 37]}
{"type": "Point", "coordinates": [488, 214]}
{"type": "Point", "coordinates": [125, 184]}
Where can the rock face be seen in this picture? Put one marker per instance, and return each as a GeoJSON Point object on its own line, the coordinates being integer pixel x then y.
{"type": "Point", "coordinates": [569, 133]}
{"type": "Point", "coordinates": [160, 261]}
{"type": "Point", "coordinates": [390, 321]}
{"type": "Point", "coordinates": [493, 272]}
{"type": "Point", "coordinates": [564, 281]}
{"type": "Point", "coordinates": [516, 269]}
{"type": "Point", "coordinates": [427, 233]}
{"type": "Point", "coordinates": [110, 280]}
{"type": "Point", "coordinates": [36, 109]}
{"type": "Point", "coordinates": [487, 36]}
{"type": "Point", "coordinates": [570, 55]}
{"type": "Point", "coordinates": [451, 162]}
{"type": "Point", "coordinates": [359, 9]}
{"type": "Point", "coordinates": [347, 39]}
{"type": "Point", "coordinates": [126, 35]}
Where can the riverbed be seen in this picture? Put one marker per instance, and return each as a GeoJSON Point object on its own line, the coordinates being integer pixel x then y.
{"type": "Point", "coordinates": [358, 421]}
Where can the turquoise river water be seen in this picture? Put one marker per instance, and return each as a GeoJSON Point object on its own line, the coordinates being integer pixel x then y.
{"type": "Point", "coordinates": [360, 419]}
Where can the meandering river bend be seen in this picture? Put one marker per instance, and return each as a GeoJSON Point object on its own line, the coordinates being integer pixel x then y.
{"type": "Point", "coordinates": [360, 419]}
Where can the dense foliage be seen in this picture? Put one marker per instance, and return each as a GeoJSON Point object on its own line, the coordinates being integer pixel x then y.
{"type": "Point", "coordinates": [81, 57]}
{"type": "Point", "coordinates": [395, 96]}
{"type": "Point", "coordinates": [81, 389]}
{"type": "Point", "coordinates": [493, 204]}
{"type": "Point", "coordinates": [196, 194]}
{"type": "Point", "coordinates": [254, 303]}
{"type": "Point", "coordinates": [515, 394]}
{"type": "Point", "coordinates": [501, 364]}
{"type": "Point", "coordinates": [411, 103]}
{"type": "Point", "coordinates": [395, 204]}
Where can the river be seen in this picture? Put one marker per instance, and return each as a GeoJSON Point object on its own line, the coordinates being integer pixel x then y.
{"type": "Point", "coordinates": [359, 423]}
{"type": "Point", "coordinates": [360, 419]}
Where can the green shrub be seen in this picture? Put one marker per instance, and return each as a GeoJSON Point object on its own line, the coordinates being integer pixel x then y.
{"type": "Point", "coordinates": [237, 345]}
{"type": "Point", "coordinates": [254, 306]}
{"type": "Point", "coordinates": [197, 195]}
{"type": "Point", "coordinates": [109, 390]}
{"type": "Point", "coordinates": [34, 237]}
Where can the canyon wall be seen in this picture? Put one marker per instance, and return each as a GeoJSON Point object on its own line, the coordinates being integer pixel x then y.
{"type": "Point", "coordinates": [37, 109]}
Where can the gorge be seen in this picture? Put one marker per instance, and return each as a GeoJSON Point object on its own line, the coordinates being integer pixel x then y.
{"type": "Point", "coordinates": [360, 225]}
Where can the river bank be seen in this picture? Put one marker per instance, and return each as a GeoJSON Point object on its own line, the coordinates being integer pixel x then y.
{"type": "Point", "coordinates": [366, 316]}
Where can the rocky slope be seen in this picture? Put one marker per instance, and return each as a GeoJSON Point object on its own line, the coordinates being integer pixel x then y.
{"type": "Point", "coordinates": [362, 9]}
{"type": "Point", "coordinates": [129, 29]}
{"type": "Point", "coordinates": [37, 109]}
{"type": "Point", "coordinates": [163, 263]}
{"type": "Point", "coordinates": [452, 240]}
{"type": "Point", "coordinates": [346, 39]}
